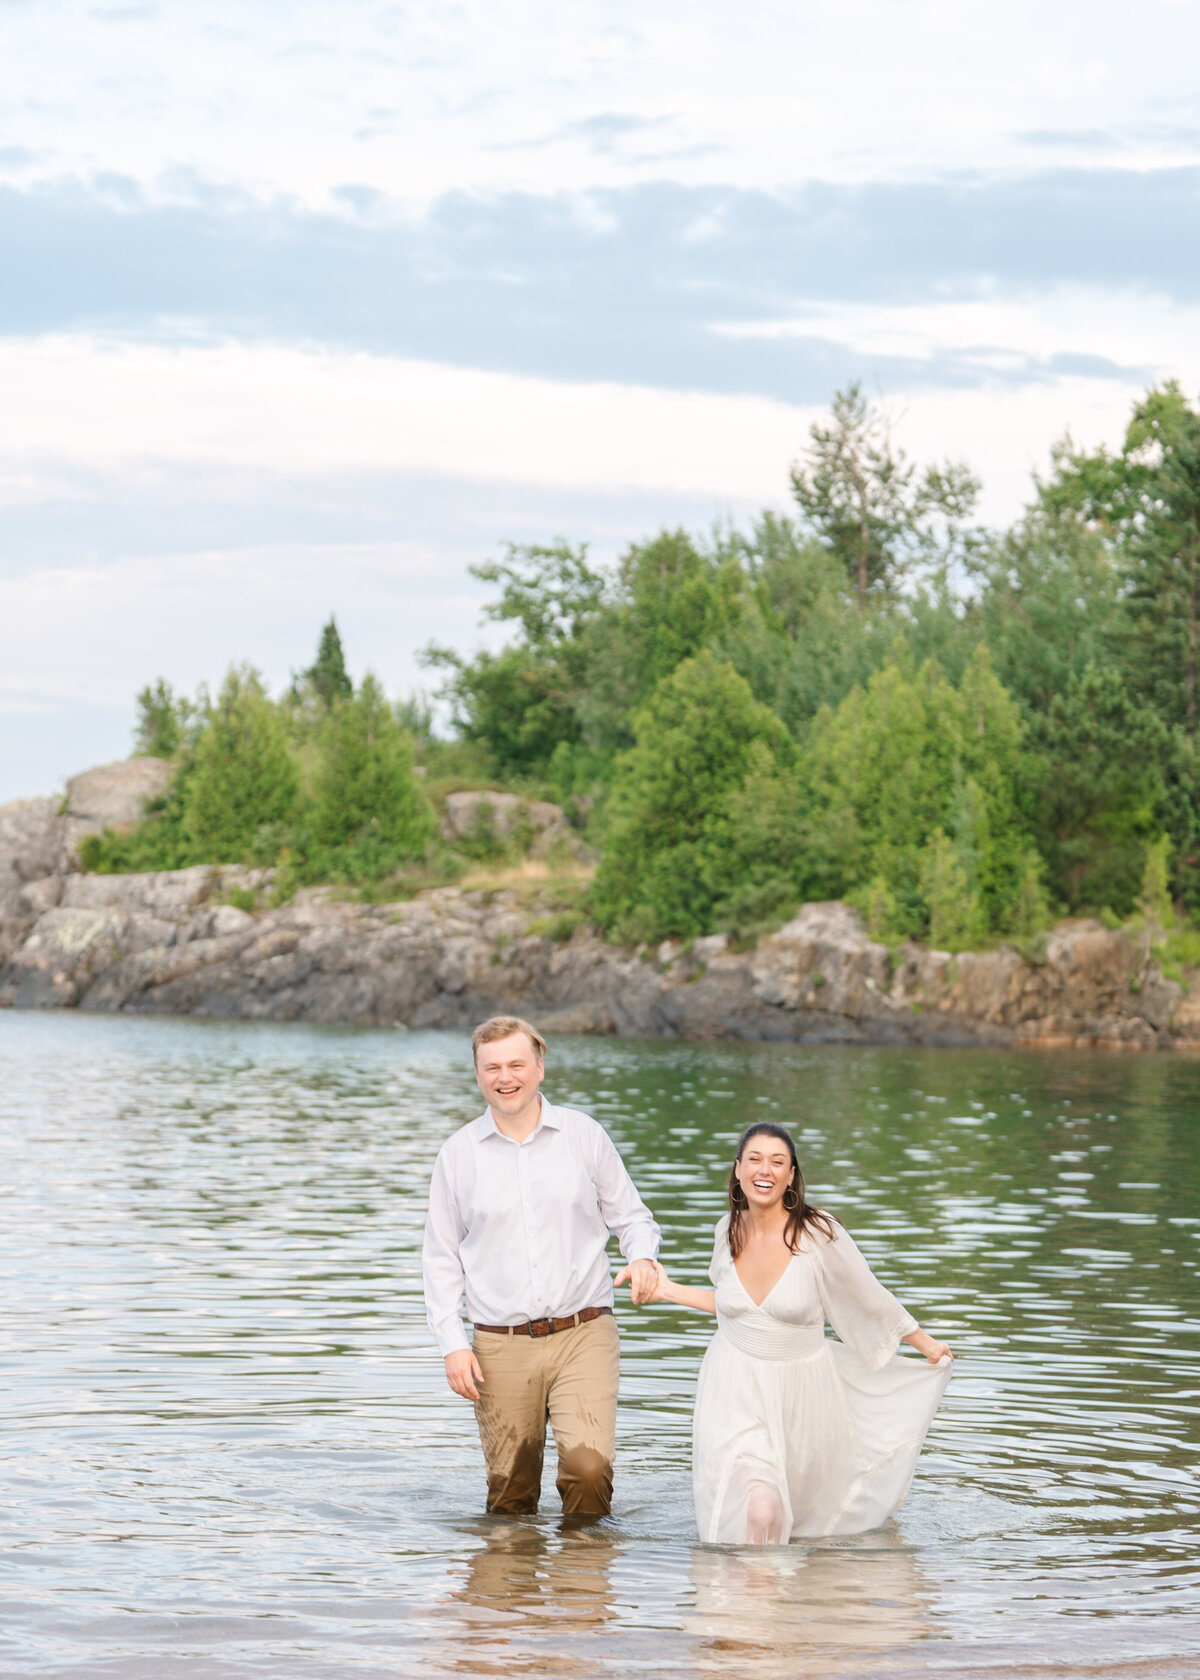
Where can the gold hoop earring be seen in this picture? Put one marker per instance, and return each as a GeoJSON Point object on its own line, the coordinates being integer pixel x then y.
{"type": "Point", "coordinates": [795, 1201]}
{"type": "Point", "coordinates": [738, 1197]}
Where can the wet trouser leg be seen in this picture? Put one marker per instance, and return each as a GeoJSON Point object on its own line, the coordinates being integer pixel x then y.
{"type": "Point", "coordinates": [569, 1379]}
{"type": "Point", "coordinates": [583, 1415]}
{"type": "Point", "coordinates": [511, 1414]}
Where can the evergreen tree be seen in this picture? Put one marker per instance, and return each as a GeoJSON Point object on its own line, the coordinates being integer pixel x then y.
{"type": "Point", "coordinates": [881, 773]}
{"type": "Point", "coordinates": [1097, 790]}
{"type": "Point", "coordinates": [1162, 597]}
{"type": "Point", "coordinates": [366, 793]}
{"type": "Point", "coordinates": [901, 761]}
{"type": "Point", "coordinates": [862, 497]}
{"type": "Point", "coordinates": [327, 674]}
{"type": "Point", "coordinates": [162, 720]}
{"type": "Point", "coordinates": [956, 917]}
{"type": "Point", "coordinates": [243, 776]}
{"type": "Point", "coordinates": [1048, 604]}
{"type": "Point", "coordinates": [675, 844]}
{"type": "Point", "coordinates": [1144, 502]}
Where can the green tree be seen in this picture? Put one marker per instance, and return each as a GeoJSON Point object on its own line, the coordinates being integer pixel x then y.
{"type": "Point", "coordinates": [671, 598]}
{"type": "Point", "coordinates": [862, 497]}
{"type": "Point", "coordinates": [1048, 604]}
{"type": "Point", "coordinates": [366, 794]}
{"type": "Point", "coordinates": [327, 674]}
{"type": "Point", "coordinates": [676, 847]}
{"type": "Point", "coordinates": [881, 772]}
{"type": "Point", "coordinates": [906, 758]}
{"type": "Point", "coordinates": [1154, 900]}
{"type": "Point", "coordinates": [956, 916]}
{"type": "Point", "coordinates": [1144, 501]}
{"type": "Point", "coordinates": [1096, 790]}
{"type": "Point", "coordinates": [521, 704]}
{"type": "Point", "coordinates": [163, 718]}
{"type": "Point", "coordinates": [243, 776]}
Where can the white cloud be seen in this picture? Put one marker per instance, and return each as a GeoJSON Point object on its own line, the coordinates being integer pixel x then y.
{"type": "Point", "coordinates": [1128, 327]}
{"type": "Point", "coordinates": [78, 408]}
{"type": "Point", "coordinates": [420, 98]}
{"type": "Point", "coordinates": [81, 413]}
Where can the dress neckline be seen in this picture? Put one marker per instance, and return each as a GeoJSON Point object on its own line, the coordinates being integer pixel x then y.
{"type": "Point", "coordinates": [759, 1305]}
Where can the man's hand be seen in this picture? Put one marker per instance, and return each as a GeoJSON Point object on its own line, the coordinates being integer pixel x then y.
{"type": "Point", "coordinates": [642, 1278]}
{"type": "Point", "coordinates": [463, 1373]}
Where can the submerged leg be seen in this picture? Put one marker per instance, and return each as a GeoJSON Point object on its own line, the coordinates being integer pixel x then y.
{"type": "Point", "coordinates": [764, 1515]}
{"type": "Point", "coordinates": [511, 1414]}
{"type": "Point", "coordinates": [582, 1401]}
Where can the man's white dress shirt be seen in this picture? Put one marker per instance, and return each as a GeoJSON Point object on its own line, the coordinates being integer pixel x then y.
{"type": "Point", "coordinates": [522, 1228]}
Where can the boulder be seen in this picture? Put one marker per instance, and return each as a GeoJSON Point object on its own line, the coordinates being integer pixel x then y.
{"type": "Point", "coordinates": [462, 815]}
{"type": "Point", "coordinates": [110, 796]}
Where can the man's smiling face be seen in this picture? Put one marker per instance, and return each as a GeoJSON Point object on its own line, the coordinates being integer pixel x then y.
{"type": "Point", "coordinates": [509, 1071]}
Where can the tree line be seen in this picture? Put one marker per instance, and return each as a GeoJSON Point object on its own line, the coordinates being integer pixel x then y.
{"type": "Point", "coordinates": [964, 732]}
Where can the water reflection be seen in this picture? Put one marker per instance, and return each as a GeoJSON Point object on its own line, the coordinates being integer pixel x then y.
{"type": "Point", "coordinates": [794, 1611]}
{"type": "Point", "coordinates": [529, 1594]}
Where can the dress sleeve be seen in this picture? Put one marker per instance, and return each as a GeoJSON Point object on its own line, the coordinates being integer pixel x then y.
{"type": "Point", "coordinates": [720, 1249]}
{"type": "Point", "coordinates": [865, 1315]}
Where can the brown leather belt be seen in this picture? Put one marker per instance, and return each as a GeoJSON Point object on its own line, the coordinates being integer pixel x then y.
{"type": "Point", "coordinates": [545, 1326]}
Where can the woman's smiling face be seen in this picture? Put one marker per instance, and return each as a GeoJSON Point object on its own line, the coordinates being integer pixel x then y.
{"type": "Point", "coordinates": [764, 1170]}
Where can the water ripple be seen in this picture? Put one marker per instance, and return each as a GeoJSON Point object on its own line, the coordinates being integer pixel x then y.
{"type": "Point", "coordinates": [229, 1437]}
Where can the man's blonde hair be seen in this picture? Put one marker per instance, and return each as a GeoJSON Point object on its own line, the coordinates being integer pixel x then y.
{"type": "Point", "coordinates": [503, 1026]}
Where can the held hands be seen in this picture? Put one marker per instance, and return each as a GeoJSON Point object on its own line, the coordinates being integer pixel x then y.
{"type": "Point", "coordinates": [463, 1373]}
{"type": "Point", "coordinates": [646, 1279]}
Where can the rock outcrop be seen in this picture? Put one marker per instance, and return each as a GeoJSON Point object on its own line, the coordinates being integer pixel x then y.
{"type": "Point", "coordinates": [173, 943]}
{"type": "Point", "coordinates": [39, 838]}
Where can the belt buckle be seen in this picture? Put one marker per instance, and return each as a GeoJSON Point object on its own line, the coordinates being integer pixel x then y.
{"type": "Point", "coordinates": [541, 1327]}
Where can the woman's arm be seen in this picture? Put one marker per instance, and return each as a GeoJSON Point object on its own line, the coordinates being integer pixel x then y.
{"type": "Point", "coordinates": [676, 1294]}
{"type": "Point", "coordinates": [919, 1339]}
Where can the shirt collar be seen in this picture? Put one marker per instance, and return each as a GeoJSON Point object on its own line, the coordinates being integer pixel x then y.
{"type": "Point", "coordinates": [486, 1126]}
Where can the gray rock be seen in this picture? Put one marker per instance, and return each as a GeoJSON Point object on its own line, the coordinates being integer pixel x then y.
{"type": "Point", "coordinates": [461, 814]}
{"type": "Point", "coordinates": [31, 832]}
{"type": "Point", "coordinates": [110, 796]}
{"type": "Point", "coordinates": [41, 895]}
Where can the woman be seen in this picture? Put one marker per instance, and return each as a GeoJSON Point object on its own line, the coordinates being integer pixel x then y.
{"type": "Point", "coordinates": [796, 1435]}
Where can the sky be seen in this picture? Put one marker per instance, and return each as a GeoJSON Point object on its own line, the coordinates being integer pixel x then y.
{"type": "Point", "coordinates": [305, 309]}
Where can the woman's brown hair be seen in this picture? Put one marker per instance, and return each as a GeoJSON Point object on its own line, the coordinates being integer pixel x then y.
{"type": "Point", "coordinates": [801, 1213]}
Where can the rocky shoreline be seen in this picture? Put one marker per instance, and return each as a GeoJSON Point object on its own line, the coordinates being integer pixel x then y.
{"type": "Point", "coordinates": [173, 944]}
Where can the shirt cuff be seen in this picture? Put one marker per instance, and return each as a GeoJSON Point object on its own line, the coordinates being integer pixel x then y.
{"type": "Point", "coordinates": [452, 1338]}
{"type": "Point", "coordinates": [642, 1251]}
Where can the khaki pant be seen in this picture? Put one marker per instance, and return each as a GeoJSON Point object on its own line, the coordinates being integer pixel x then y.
{"type": "Point", "coordinates": [569, 1379]}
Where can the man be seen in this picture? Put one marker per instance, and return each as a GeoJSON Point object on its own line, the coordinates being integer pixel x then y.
{"type": "Point", "coordinates": [520, 1209]}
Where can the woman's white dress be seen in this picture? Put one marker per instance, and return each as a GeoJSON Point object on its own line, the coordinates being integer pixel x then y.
{"type": "Point", "coordinates": [823, 1434]}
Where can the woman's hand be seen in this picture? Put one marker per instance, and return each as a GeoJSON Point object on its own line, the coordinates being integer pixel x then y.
{"type": "Point", "coordinates": [935, 1352]}
{"type": "Point", "coordinates": [642, 1289]}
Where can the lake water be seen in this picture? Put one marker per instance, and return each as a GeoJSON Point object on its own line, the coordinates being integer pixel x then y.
{"type": "Point", "coordinates": [229, 1449]}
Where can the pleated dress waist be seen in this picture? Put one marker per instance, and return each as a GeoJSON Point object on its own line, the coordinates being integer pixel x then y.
{"type": "Point", "coordinates": [763, 1338]}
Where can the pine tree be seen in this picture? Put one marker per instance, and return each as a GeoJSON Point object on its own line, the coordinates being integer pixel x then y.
{"type": "Point", "coordinates": [243, 776]}
{"type": "Point", "coordinates": [863, 498]}
{"type": "Point", "coordinates": [675, 844]}
{"type": "Point", "coordinates": [902, 760]}
{"type": "Point", "coordinates": [328, 674]}
{"type": "Point", "coordinates": [163, 718]}
{"type": "Point", "coordinates": [366, 792]}
{"type": "Point", "coordinates": [956, 918]}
